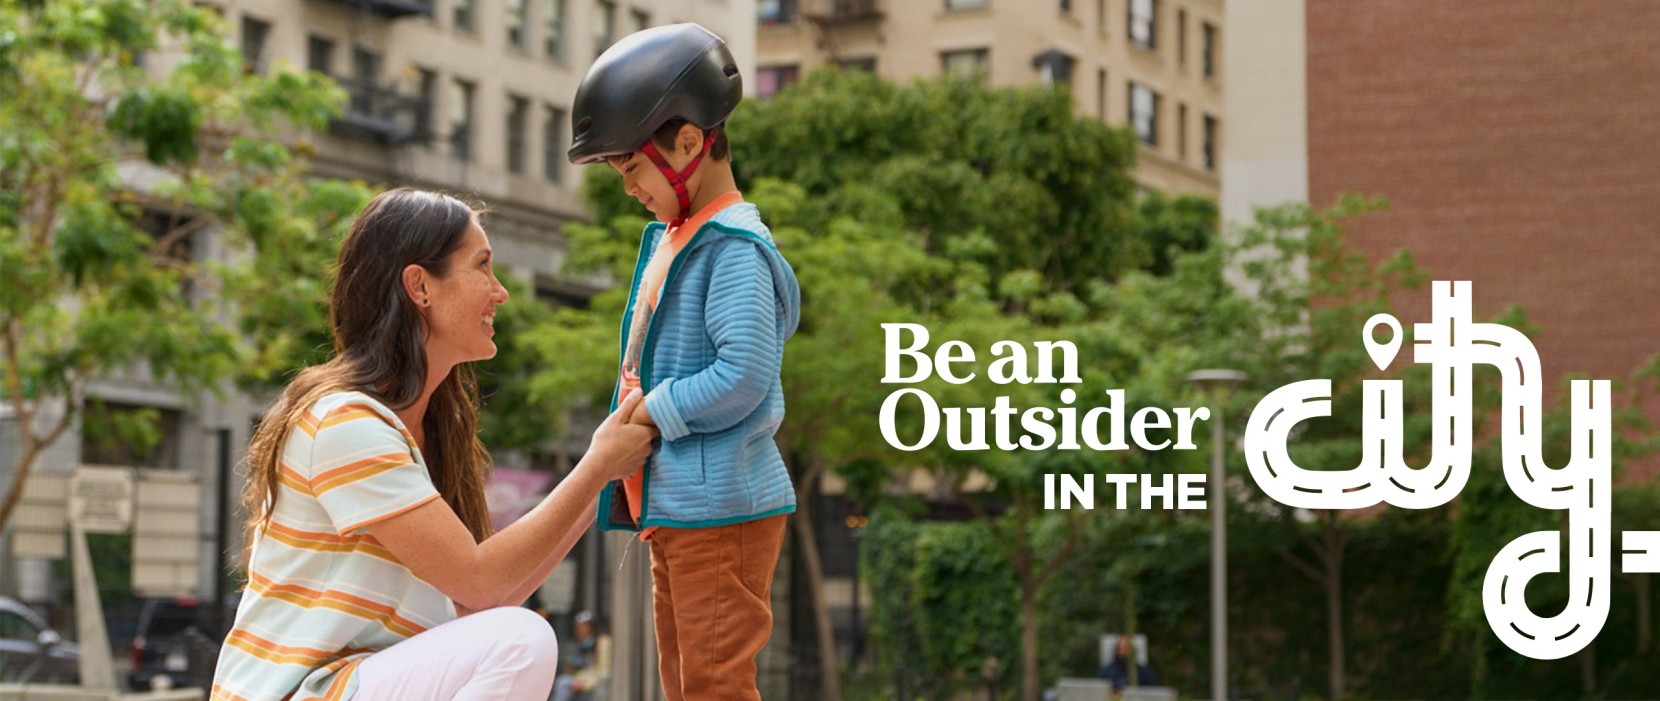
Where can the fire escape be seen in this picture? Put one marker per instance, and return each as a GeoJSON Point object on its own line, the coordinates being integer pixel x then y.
{"type": "Point", "coordinates": [830, 18]}
{"type": "Point", "coordinates": [377, 111]}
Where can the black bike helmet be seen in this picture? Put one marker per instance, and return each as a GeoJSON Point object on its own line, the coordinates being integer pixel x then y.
{"type": "Point", "coordinates": [647, 79]}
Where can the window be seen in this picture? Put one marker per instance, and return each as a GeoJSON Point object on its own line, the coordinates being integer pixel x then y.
{"type": "Point", "coordinates": [518, 113]}
{"type": "Point", "coordinates": [1101, 94]}
{"type": "Point", "coordinates": [172, 241]}
{"type": "Point", "coordinates": [1144, 113]}
{"type": "Point", "coordinates": [638, 20]}
{"type": "Point", "coordinates": [464, 11]}
{"type": "Point", "coordinates": [427, 88]}
{"type": "Point", "coordinates": [553, 39]}
{"type": "Point", "coordinates": [319, 54]}
{"type": "Point", "coordinates": [365, 73]}
{"type": "Point", "coordinates": [14, 626]}
{"type": "Point", "coordinates": [254, 34]}
{"type": "Point", "coordinates": [1181, 38]}
{"type": "Point", "coordinates": [1143, 26]}
{"type": "Point", "coordinates": [461, 121]}
{"type": "Point", "coordinates": [518, 24]}
{"type": "Point", "coordinates": [1054, 68]}
{"type": "Point", "coordinates": [558, 296]}
{"type": "Point", "coordinates": [605, 25]}
{"type": "Point", "coordinates": [553, 144]}
{"type": "Point", "coordinates": [776, 11]}
{"type": "Point", "coordinates": [866, 63]}
{"type": "Point", "coordinates": [971, 63]}
{"type": "Point", "coordinates": [1181, 130]}
{"type": "Point", "coordinates": [769, 80]}
{"type": "Point", "coordinates": [966, 4]}
{"type": "Point", "coordinates": [111, 434]}
{"type": "Point", "coordinates": [1212, 128]}
{"type": "Point", "coordinates": [1208, 49]}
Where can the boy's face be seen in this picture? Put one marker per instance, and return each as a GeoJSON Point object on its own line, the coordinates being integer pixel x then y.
{"type": "Point", "coordinates": [644, 182]}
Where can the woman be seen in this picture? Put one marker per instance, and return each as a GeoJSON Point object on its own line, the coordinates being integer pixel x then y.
{"type": "Point", "coordinates": [372, 571]}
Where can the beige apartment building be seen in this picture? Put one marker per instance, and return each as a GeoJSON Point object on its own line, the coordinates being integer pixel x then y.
{"type": "Point", "coordinates": [469, 95]}
{"type": "Point", "coordinates": [1155, 65]}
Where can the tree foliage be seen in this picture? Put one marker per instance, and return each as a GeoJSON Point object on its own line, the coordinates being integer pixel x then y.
{"type": "Point", "coordinates": [130, 129]}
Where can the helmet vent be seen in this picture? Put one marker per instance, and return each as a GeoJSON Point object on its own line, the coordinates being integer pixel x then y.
{"type": "Point", "coordinates": [730, 70]}
{"type": "Point", "coordinates": [584, 125]}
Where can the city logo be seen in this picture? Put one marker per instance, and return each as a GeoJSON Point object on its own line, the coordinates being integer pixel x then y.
{"type": "Point", "coordinates": [1453, 345]}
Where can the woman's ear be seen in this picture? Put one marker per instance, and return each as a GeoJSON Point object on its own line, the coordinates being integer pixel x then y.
{"type": "Point", "coordinates": [415, 285]}
{"type": "Point", "coordinates": [690, 140]}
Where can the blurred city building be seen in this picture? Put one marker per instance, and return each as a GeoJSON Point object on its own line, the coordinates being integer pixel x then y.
{"type": "Point", "coordinates": [1514, 139]}
{"type": "Point", "coordinates": [1154, 65]}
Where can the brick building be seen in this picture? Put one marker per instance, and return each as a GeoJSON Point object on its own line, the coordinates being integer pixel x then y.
{"type": "Point", "coordinates": [1516, 141]}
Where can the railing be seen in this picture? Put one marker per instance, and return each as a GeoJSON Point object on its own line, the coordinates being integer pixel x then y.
{"type": "Point", "coordinates": [393, 9]}
{"type": "Point", "coordinates": [836, 12]}
{"type": "Point", "coordinates": [380, 113]}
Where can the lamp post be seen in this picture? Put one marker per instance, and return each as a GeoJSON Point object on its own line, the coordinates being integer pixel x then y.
{"type": "Point", "coordinates": [1217, 384]}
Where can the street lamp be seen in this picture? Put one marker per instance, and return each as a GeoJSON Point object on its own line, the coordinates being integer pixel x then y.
{"type": "Point", "coordinates": [1217, 384]}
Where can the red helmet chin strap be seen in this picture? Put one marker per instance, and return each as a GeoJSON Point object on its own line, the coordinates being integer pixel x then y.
{"type": "Point", "coordinates": [678, 178]}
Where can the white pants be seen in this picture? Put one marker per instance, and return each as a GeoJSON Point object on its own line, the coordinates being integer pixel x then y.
{"type": "Point", "coordinates": [502, 654]}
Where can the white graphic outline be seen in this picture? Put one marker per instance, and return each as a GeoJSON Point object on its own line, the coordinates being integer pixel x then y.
{"type": "Point", "coordinates": [1452, 345]}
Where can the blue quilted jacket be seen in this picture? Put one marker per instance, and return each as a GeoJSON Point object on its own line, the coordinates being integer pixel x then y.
{"type": "Point", "coordinates": [710, 365]}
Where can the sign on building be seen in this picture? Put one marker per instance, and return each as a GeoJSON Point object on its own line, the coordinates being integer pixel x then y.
{"type": "Point", "coordinates": [101, 499]}
{"type": "Point", "coordinates": [42, 511]}
{"type": "Point", "coordinates": [166, 541]}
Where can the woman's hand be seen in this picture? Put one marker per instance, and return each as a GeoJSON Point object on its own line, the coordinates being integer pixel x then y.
{"type": "Point", "coordinates": [620, 448]}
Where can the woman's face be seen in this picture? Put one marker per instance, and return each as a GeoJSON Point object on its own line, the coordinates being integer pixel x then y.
{"type": "Point", "coordinates": [461, 314]}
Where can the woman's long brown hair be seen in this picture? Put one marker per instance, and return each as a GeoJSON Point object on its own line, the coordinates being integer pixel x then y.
{"type": "Point", "coordinates": [378, 335]}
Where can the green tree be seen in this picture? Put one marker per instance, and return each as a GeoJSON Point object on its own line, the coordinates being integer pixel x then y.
{"type": "Point", "coordinates": [128, 128]}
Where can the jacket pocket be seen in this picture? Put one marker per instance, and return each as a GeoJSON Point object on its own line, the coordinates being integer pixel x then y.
{"type": "Point", "coordinates": [679, 464]}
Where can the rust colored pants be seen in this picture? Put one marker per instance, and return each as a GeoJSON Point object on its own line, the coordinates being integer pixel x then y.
{"type": "Point", "coordinates": [712, 596]}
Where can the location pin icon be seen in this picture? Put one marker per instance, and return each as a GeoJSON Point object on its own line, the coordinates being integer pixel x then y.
{"type": "Point", "coordinates": [1382, 353]}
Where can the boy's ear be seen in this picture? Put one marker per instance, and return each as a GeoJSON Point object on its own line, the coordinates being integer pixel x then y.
{"type": "Point", "coordinates": [690, 139]}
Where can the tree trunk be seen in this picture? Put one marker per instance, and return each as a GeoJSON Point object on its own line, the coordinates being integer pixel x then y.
{"type": "Point", "coordinates": [14, 492]}
{"type": "Point", "coordinates": [1333, 560]}
{"type": "Point", "coordinates": [1588, 669]}
{"type": "Point", "coordinates": [1334, 628]}
{"type": "Point", "coordinates": [829, 678]}
{"type": "Point", "coordinates": [1645, 616]}
{"type": "Point", "coordinates": [1029, 686]}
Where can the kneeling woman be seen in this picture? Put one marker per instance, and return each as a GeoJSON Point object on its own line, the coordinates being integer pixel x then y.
{"type": "Point", "coordinates": [372, 572]}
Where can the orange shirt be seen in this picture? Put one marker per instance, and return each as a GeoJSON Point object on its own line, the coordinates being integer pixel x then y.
{"type": "Point", "coordinates": [651, 287]}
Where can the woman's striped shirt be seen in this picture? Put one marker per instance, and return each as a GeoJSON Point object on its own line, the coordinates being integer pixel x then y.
{"type": "Point", "coordinates": [322, 594]}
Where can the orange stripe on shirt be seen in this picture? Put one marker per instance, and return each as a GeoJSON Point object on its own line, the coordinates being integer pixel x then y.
{"type": "Point", "coordinates": [343, 678]}
{"type": "Point", "coordinates": [329, 542]}
{"type": "Point", "coordinates": [306, 597]}
{"type": "Point", "coordinates": [274, 652]}
{"type": "Point", "coordinates": [292, 479]}
{"type": "Point", "coordinates": [358, 469]}
{"type": "Point", "coordinates": [220, 693]}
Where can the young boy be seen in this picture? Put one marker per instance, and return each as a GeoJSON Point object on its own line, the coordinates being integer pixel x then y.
{"type": "Point", "coordinates": [711, 305]}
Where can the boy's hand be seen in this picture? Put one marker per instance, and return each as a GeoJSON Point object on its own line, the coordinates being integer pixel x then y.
{"type": "Point", "coordinates": [641, 416]}
{"type": "Point", "coordinates": [618, 447]}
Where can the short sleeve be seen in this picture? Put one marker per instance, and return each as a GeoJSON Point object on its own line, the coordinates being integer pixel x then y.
{"type": "Point", "coordinates": [362, 471]}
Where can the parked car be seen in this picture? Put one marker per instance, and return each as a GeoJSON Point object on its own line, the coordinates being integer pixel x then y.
{"type": "Point", "coordinates": [171, 649]}
{"type": "Point", "coordinates": [30, 651]}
